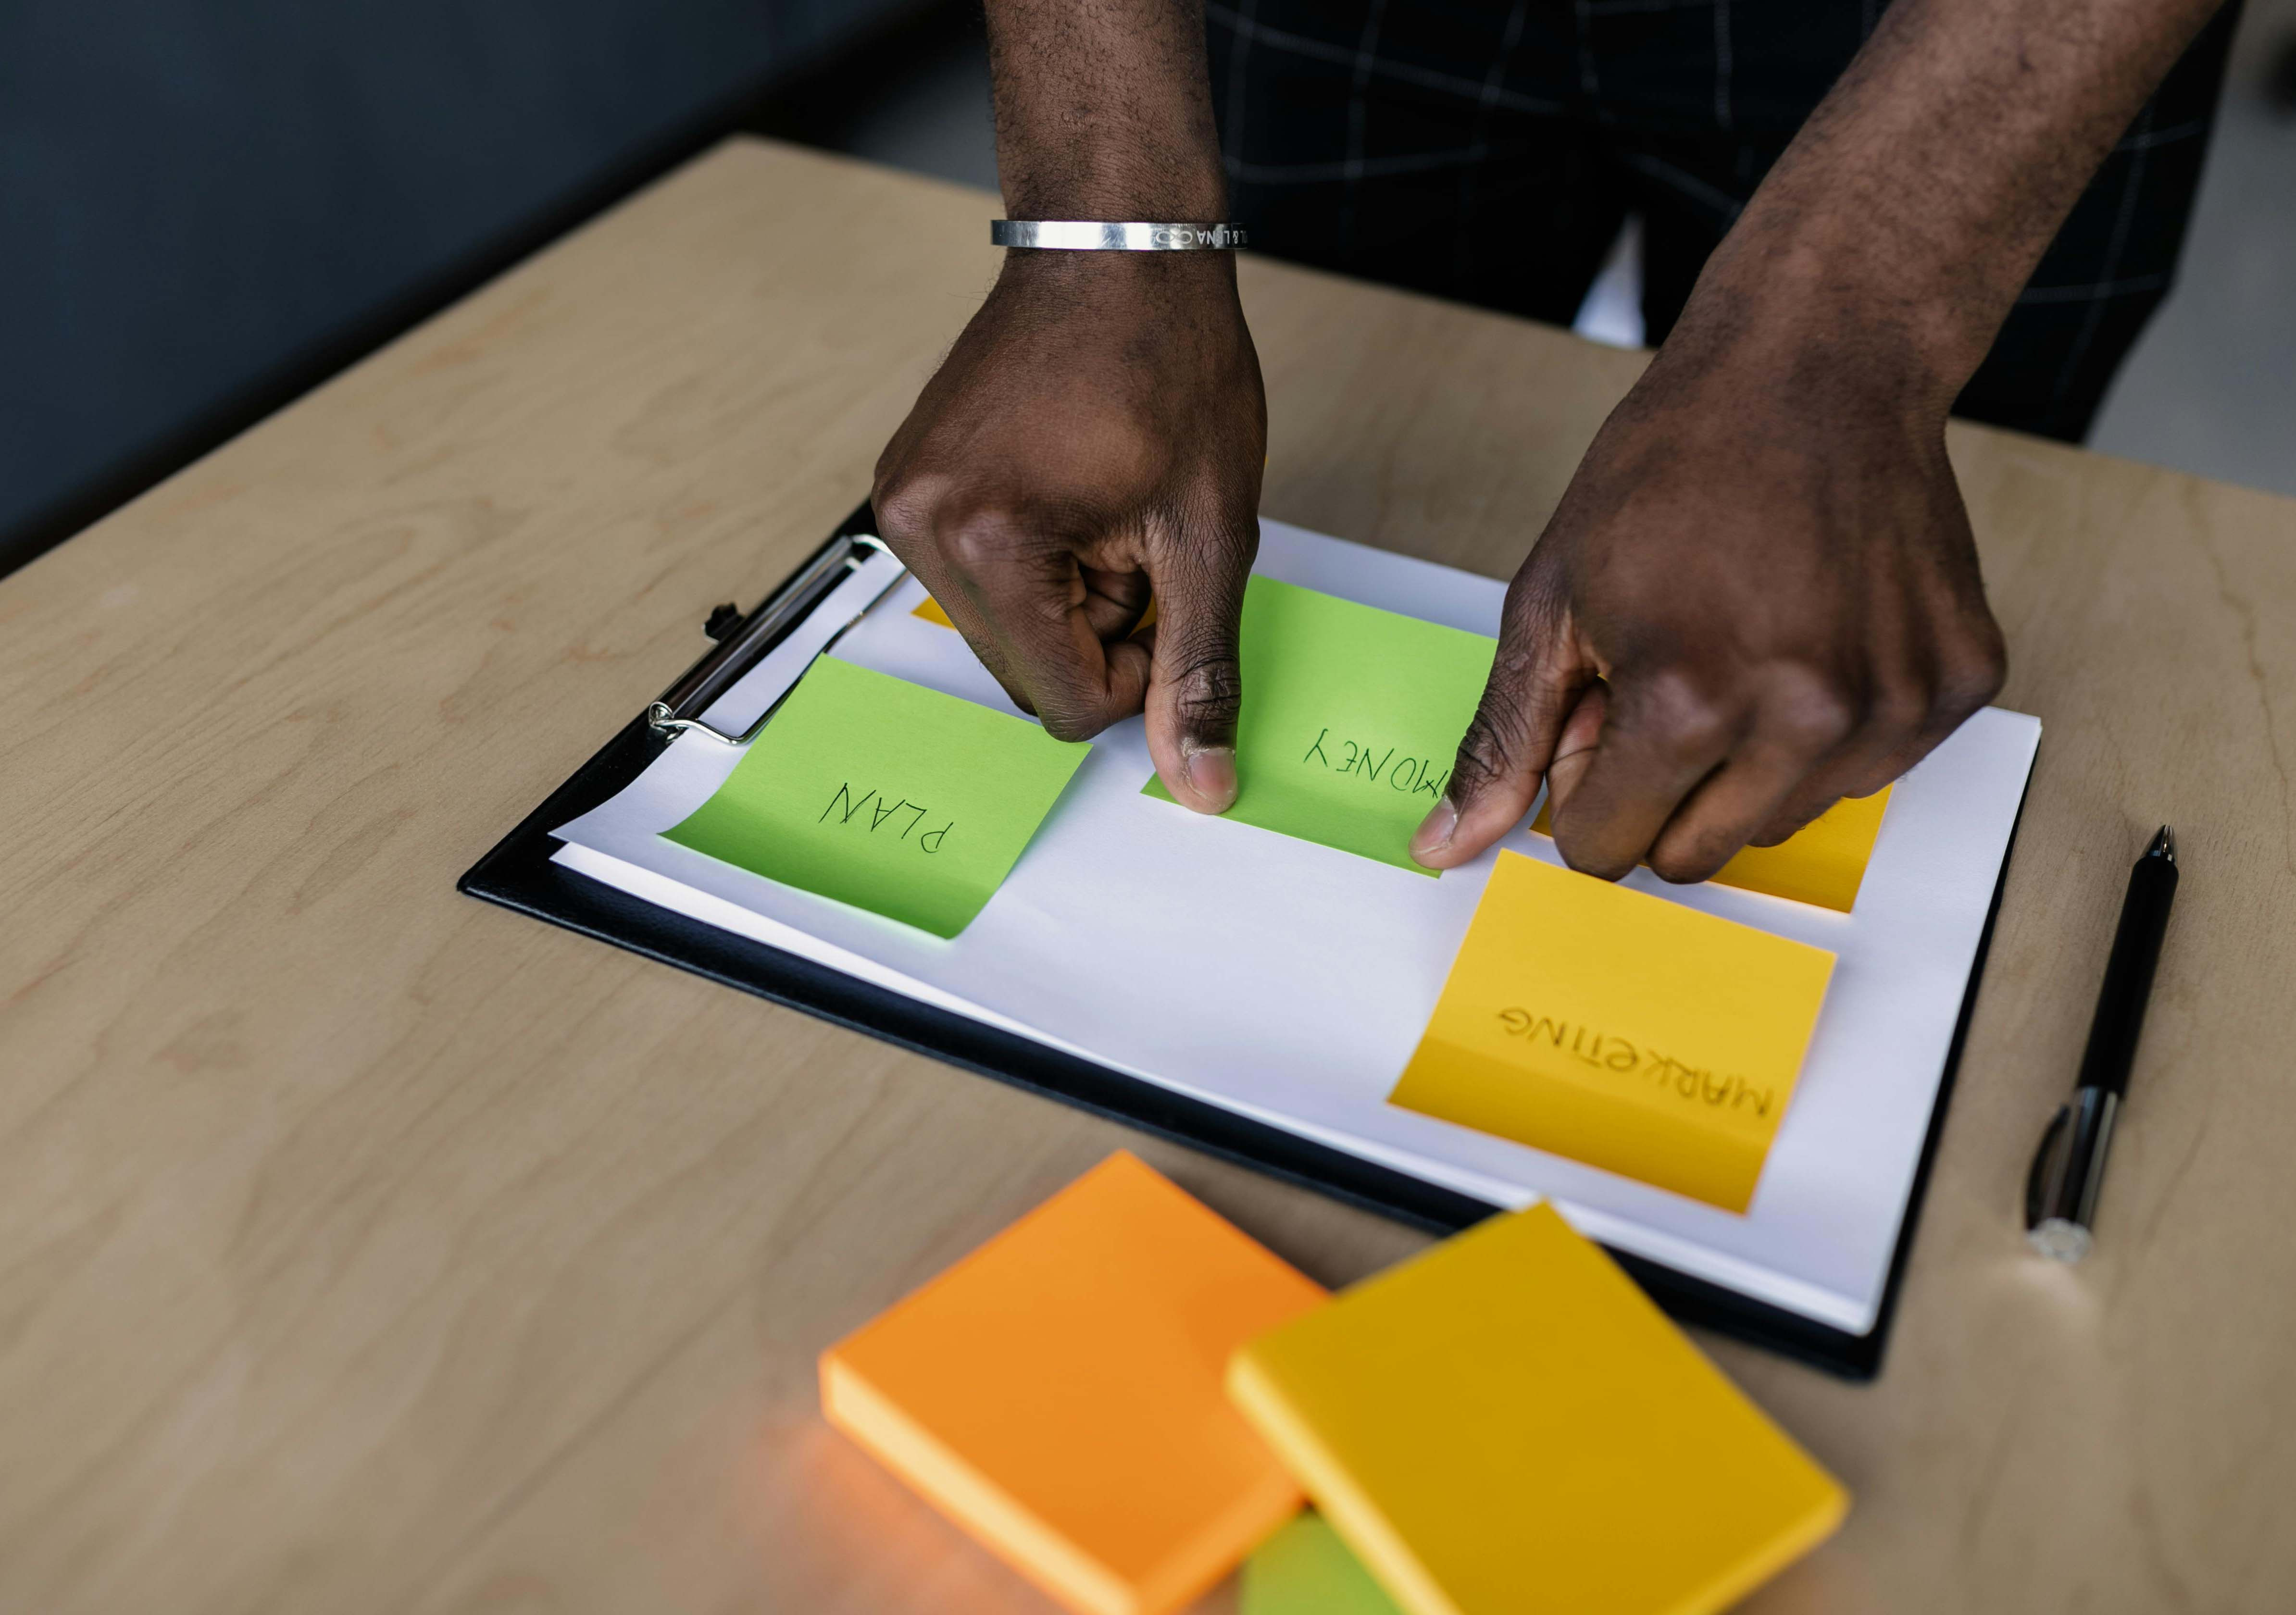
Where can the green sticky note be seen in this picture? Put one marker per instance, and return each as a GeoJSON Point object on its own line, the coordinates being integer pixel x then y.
{"type": "Point", "coordinates": [887, 795]}
{"type": "Point", "coordinates": [1306, 1570]}
{"type": "Point", "coordinates": [1351, 719]}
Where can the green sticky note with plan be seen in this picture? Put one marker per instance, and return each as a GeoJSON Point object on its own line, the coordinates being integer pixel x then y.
{"type": "Point", "coordinates": [1351, 719]}
{"type": "Point", "coordinates": [1306, 1570]}
{"type": "Point", "coordinates": [886, 795]}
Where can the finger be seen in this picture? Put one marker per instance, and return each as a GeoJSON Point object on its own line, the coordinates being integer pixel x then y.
{"type": "Point", "coordinates": [1663, 734]}
{"type": "Point", "coordinates": [1574, 748]}
{"type": "Point", "coordinates": [1535, 681]}
{"type": "Point", "coordinates": [1802, 722]}
{"type": "Point", "coordinates": [1113, 601]}
{"type": "Point", "coordinates": [1896, 699]}
{"type": "Point", "coordinates": [1912, 714]}
{"type": "Point", "coordinates": [1195, 679]}
{"type": "Point", "coordinates": [1859, 766]}
{"type": "Point", "coordinates": [1021, 597]}
{"type": "Point", "coordinates": [941, 584]}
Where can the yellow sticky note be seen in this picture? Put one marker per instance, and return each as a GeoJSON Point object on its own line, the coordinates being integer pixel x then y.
{"type": "Point", "coordinates": [1823, 863]}
{"type": "Point", "coordinates": [1619, 1029]}
{"type": "Point", "coordinates": [930, 610]}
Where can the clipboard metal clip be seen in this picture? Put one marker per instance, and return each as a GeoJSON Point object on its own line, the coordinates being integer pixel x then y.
{"type": "Point", "coordinates": [742, 640]}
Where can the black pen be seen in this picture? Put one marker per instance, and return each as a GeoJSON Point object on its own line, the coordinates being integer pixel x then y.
{"type": "Point", "coordinates": [2069, 1169]}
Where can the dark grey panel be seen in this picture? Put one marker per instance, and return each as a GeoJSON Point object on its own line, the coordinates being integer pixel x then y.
{"type": "Point", "coordinates": [194, 192]}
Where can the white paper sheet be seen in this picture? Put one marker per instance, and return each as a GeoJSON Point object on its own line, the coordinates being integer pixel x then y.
{"type": "Point", "coordinates": [1289, 983]}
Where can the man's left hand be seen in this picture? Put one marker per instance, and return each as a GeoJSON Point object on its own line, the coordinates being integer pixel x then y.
{"type": "Point", "coordinates": [1759, 594]}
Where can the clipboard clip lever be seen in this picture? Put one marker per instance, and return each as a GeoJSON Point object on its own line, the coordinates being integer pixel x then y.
{"type": "Point", "coordinates": [663, 721]}
{"type": "Point", "coordinates": [742, 640]}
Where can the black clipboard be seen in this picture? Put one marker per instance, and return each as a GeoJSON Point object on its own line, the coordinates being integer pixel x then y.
{"type": "Point", "coordinates": [518, 873]}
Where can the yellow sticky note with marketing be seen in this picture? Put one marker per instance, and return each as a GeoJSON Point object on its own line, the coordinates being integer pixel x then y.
{"type": "Point", "coordinates": [1823, 863]}
{"type": "Point", "coordinates": [1619, 1029]}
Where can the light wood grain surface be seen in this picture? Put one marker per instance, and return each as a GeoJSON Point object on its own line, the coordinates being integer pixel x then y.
{"type": "Point", "coordinates": [364, 1247]}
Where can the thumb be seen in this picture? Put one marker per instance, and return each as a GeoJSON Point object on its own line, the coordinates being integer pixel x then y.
{"type": "Point", "coordinates": [1195, 687]}
{"type": "Point", "coordinates": [1505, 754]}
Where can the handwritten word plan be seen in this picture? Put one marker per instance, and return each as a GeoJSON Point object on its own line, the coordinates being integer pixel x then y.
{"type": "Point", "coordinates": [1351, 719]}
{"type": "Point", "coordinates": [886, 795]}
{"type": "Point", "coordinates": [1620, 1029]}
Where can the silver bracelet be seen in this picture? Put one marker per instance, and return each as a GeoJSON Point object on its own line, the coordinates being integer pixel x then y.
{"type": "Point", "coordinates": [1089, 236]}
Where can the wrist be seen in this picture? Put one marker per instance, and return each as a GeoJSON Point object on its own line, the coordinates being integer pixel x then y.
{"type": "Point", "coordinates": [1808, 281]}
{"type": "Point", "coordinates": [1804, 329]}
{"type": "Point", "coordinates": [1161, 280]}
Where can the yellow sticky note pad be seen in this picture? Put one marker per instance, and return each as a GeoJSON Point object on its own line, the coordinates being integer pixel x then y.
{"type": "Point", "coordinates": [1619, 1029]}
{"type": "Point", "coordinates": [1505, 1425]}
{"type": "Point", "coordinates": [1823, 863]}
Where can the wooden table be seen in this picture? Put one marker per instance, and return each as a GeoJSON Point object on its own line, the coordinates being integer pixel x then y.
{"type": "Point", "coordinates": [364, 1247]}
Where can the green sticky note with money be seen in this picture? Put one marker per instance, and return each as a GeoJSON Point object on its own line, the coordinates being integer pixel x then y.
{"type": "Point", "coordinates": [1306, 1570]}
{"type": "Point", "coordinates": [1351, 719]}
{"type": "Point", "coordinates": [886, 795]}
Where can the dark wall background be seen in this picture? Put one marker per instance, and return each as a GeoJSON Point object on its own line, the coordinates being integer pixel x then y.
{"type": "Point", "coordinates": [196, 193]}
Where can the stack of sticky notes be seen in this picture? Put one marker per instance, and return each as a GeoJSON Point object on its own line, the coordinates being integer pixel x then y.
{"type": "Point", "coordinates": [1619, 1029]}
{"type": "Point", "coordinates": [1506, 1423]}
{"type": "Point", "coordinates": [1122, 1396]}
{"type": "Point", "coordinates": [1058, 1393]}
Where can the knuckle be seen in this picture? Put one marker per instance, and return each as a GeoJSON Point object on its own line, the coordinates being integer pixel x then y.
{"type": "Point", "coordinates": [982, 539]}
{"type": "Point", "coordinates": [1972, 673]}
{"type": "Point", "coordinates": [1899, 707]}
{"type": "Point", "coordinates": [1534, 604]}
{"type": "Point", "coordinates": [1491, 749]}
{"type": "Point", "coordinates": [1812, 713]}
{"type": "Point", "coordinates": [904, 507]}
{"type": "Point", "coordinates": [1687, 720]}
{"type": "Point", "coordinates": [1209, 692]}
{"type": "Point", "coordinates": [1217, 537]}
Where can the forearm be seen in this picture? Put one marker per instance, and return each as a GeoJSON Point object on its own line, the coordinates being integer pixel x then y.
{"type": "Point", "coordinates": [1899, 226]}
{"type": "Point", "coordinates": [1104, 110]}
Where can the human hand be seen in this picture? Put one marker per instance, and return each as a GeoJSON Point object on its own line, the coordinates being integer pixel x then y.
{"type": "Point", "coordinates": [1095, 437]}
{"type": "Point", "coordinates": [1758, 594]}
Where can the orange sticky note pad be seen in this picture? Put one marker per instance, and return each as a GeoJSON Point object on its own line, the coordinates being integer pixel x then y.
{"type": "Point", "coordinates": [1620, 1029]}
{"type": "Point", "coordinates": [1823, 863]}
{"type": "Point", "coordinates": [1058, 1392]}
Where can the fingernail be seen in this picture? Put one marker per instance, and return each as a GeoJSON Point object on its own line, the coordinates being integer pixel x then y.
{"type": "Point", "coordinates": [1434, 833]}
{"type": "Point", "coordinates": [1211, 773]}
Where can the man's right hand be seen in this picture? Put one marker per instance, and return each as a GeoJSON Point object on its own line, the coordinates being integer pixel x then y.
{"type": "Point", "coordinates": [1096, 437]}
